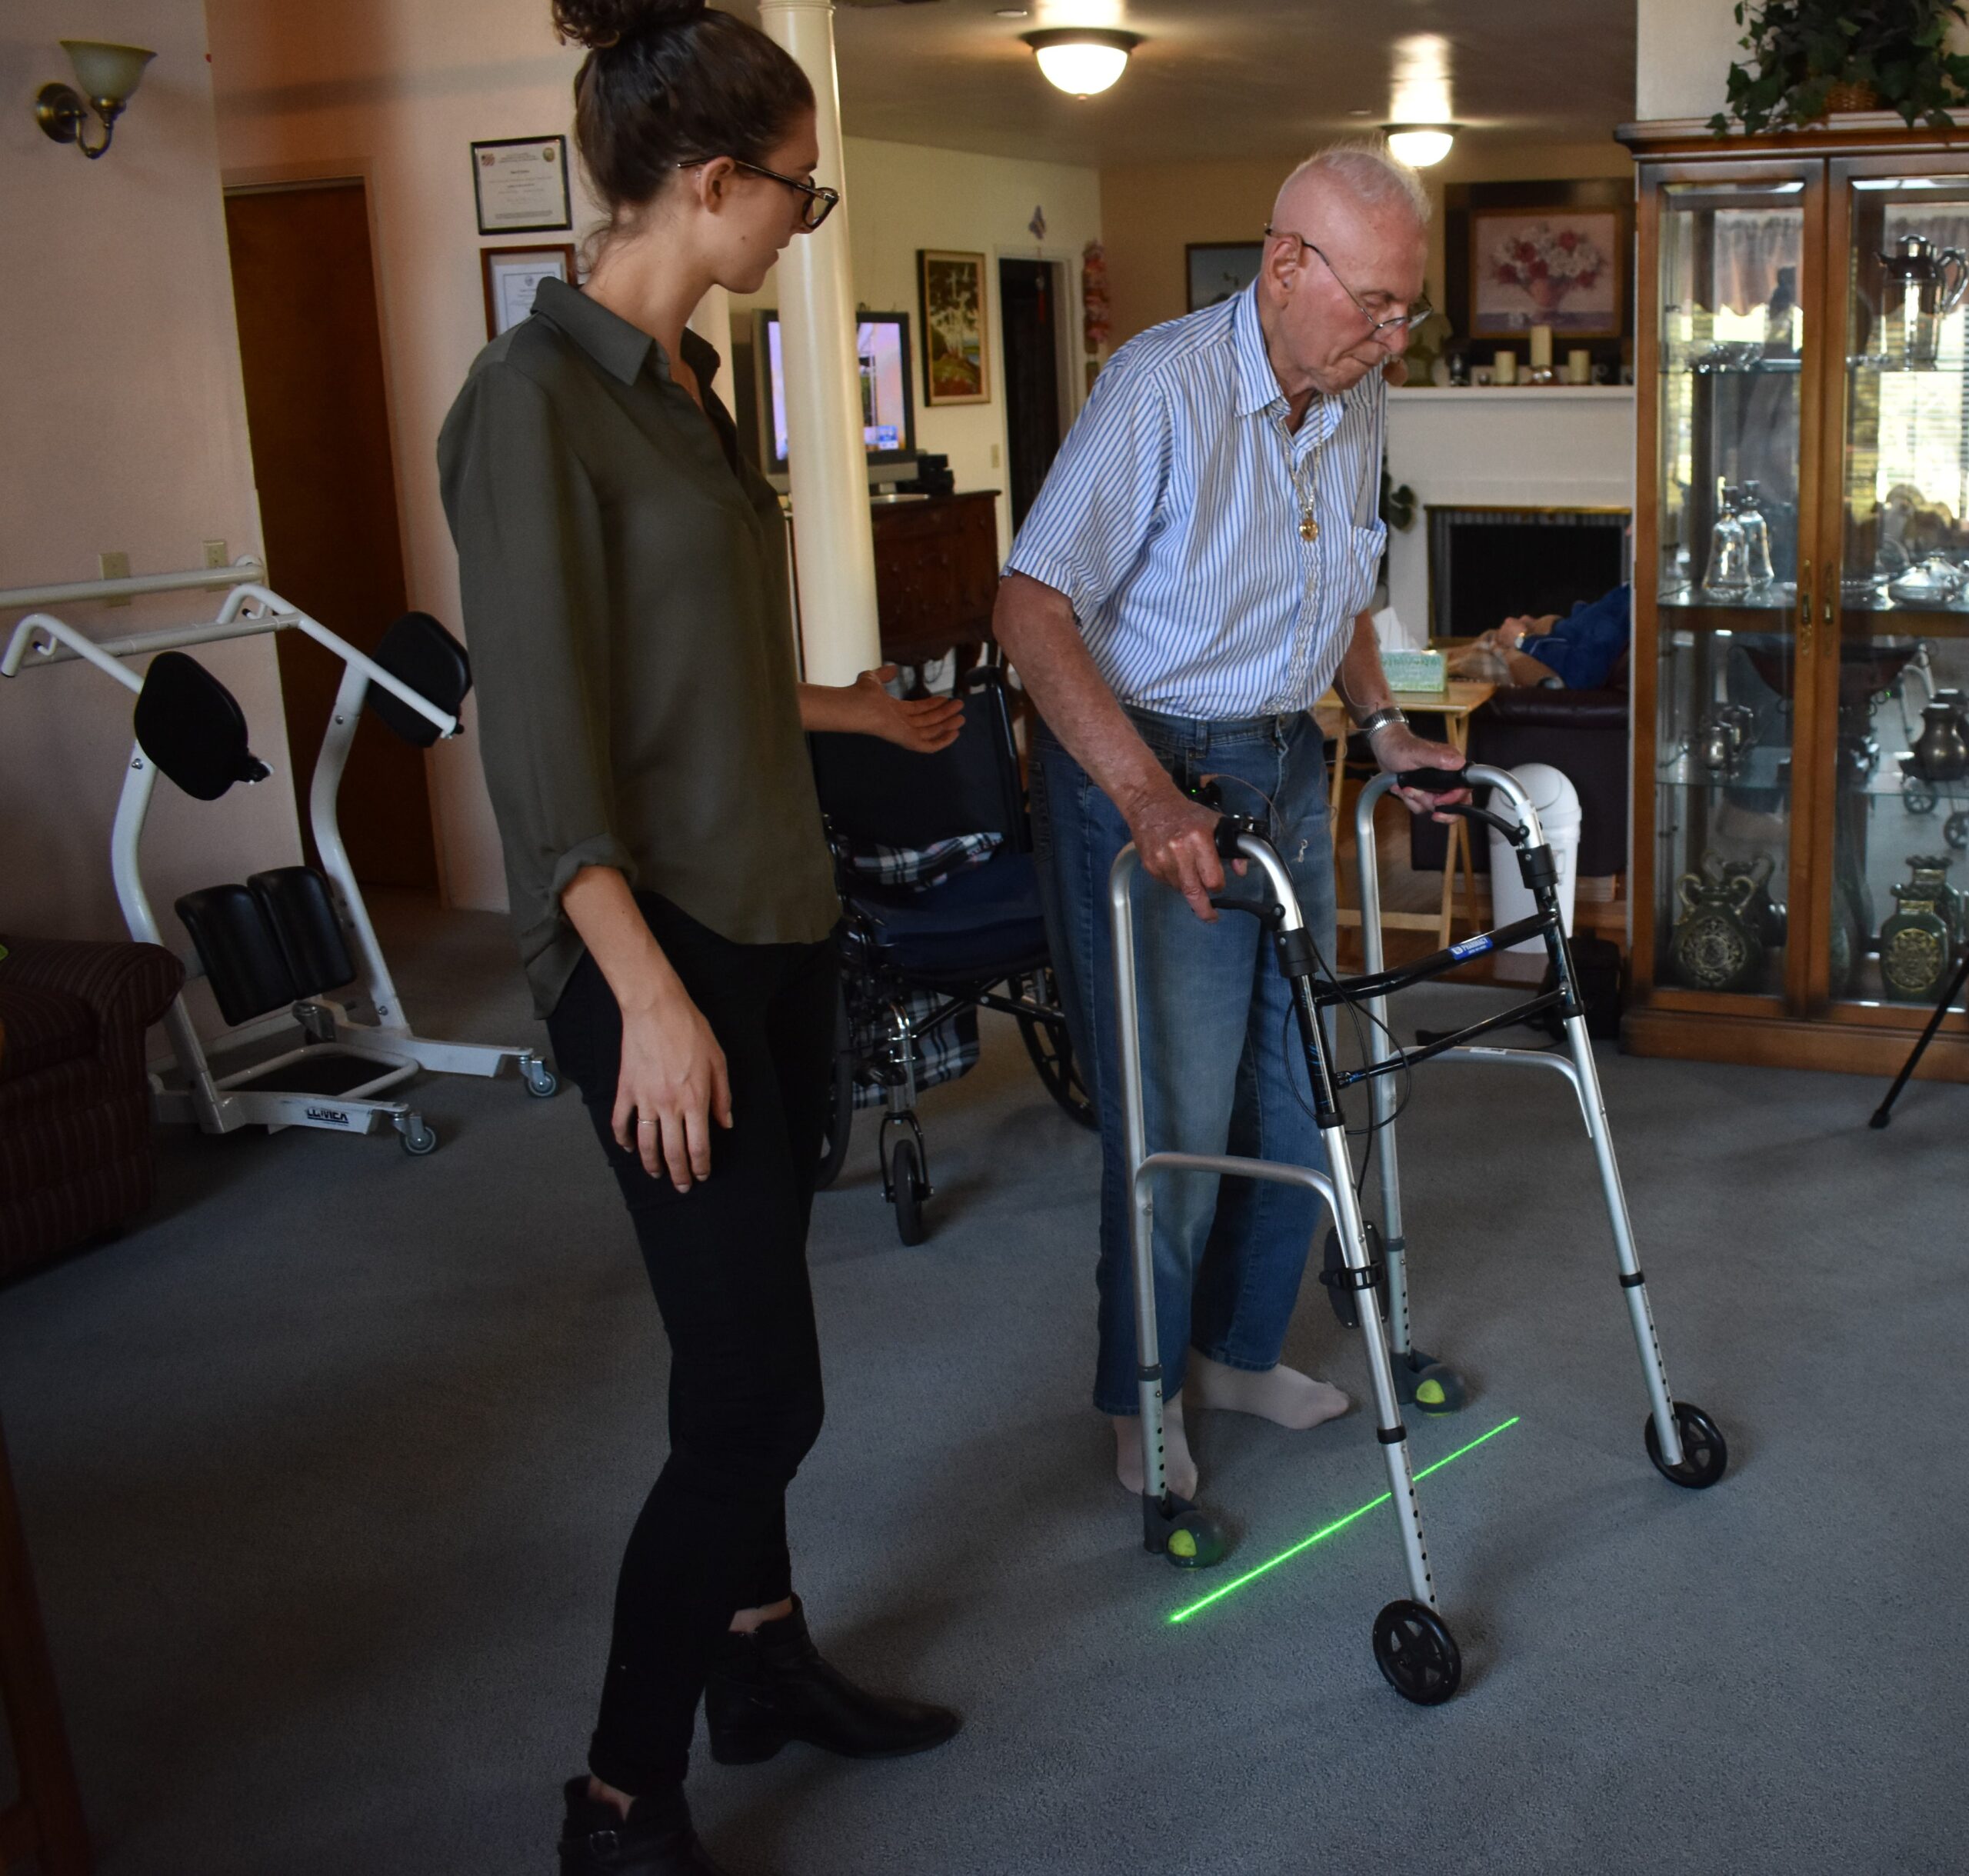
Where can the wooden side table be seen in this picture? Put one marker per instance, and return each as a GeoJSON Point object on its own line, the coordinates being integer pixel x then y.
{"type": "Point", "coordinates": [46, 1822]}
{"type": "Point", "coordinates": [1454, 706]}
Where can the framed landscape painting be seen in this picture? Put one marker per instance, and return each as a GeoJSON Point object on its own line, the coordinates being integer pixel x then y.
{"type": "Point", "coordinates": [956, 364]}
{"type": "Point", "coordinates": [1553, 267]}
{"type": "Point", "coordinates": [1218, 269]}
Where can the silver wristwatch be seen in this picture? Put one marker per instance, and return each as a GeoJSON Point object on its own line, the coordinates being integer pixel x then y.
{"type": "Point", "coordinates": [1381, 719]}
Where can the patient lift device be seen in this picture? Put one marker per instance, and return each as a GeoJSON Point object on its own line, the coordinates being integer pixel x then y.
{"type": "Point", "coordinates": [1412, 1643]}
{"type": "Point", "coordinates": [273, 947]}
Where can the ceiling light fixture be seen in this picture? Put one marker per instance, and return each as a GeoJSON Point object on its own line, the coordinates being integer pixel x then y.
{"type": "Point", "coordinates": [1419, 145]}
{"type": "Point", "coordinates": [1082, 60]}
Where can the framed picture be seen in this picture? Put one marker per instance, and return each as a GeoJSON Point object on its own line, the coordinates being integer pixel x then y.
{"type": "Point", "coordinates": [1219, 269]}
{"type": "Point", "coordinates": [956, 364]}
{"type": "Point", "coordinates": [1553, 267]}
{"type": "Point", "coordinates": [512, 273]}
{"type": "Point", "coordinates": [520, 185]}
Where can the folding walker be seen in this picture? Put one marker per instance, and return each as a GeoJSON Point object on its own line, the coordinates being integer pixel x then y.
{"type": "Point", "coordinates": [1412, 1643]}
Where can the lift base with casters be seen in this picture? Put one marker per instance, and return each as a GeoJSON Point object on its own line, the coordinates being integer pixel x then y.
{"type": "Point", "coordinates": [1413, 1644]}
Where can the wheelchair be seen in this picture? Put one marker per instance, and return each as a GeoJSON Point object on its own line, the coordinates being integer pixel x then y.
{"type": "Point", "coordinates": [940, 919]}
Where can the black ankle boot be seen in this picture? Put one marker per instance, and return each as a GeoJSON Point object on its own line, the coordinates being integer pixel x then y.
{"type": "Point", "coordinates": [655, 1839]}
{"type": "Point", "coordinates": [771, 1686]}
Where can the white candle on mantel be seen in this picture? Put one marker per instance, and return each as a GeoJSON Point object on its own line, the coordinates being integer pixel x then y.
{"type": "Point", "coordinates": [1541, 348]}
{"type": "Point", "coordinates": [1579, 367]}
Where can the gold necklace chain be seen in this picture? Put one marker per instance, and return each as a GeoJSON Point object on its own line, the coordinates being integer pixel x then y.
{"type": "Point", "coordinates": [1309, 527]}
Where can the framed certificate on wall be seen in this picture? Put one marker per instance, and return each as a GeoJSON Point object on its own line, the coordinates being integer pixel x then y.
{"type": "Point", "coordinates": [512, 275]}
{"type": "Point", "coordinates": [521, 184]}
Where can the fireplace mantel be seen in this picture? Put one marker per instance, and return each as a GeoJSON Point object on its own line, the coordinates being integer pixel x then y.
{"type": "Point", "coordinates": [1525, 446]}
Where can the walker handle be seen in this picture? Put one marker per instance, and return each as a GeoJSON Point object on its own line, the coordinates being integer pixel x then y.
{"type": "Point", "coordinates": [1435, 780]}
{"type": "Point", "coordinates": [1231, 829]}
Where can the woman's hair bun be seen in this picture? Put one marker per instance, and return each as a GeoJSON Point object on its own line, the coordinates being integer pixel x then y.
{"type": "Point", "coordinates": [598, 24]}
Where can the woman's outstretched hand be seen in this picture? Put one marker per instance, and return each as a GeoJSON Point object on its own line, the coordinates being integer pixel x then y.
{"type": "Point", "coordinates": [922, 725]}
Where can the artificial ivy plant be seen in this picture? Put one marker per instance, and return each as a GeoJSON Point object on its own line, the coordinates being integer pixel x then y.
{"type": "Point", "coordinates": [1801, 51]}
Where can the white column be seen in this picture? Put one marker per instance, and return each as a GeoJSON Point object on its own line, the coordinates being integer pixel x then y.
{"type": "Point", "coordinates": [834, 545]}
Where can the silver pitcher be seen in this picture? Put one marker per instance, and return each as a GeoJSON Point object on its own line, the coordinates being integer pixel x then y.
{"type": "Point", "coordinates": [1924, 285]}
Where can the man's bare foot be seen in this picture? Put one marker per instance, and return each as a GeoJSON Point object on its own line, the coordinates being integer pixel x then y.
{"type": "Point", "coordinates": [1282, 1394]}
{"type": "Point", "coordinates": [1178, 1468]}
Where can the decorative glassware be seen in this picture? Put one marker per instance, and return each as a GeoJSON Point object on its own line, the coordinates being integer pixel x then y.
{"type": "Point", "coordinates": [1728, 576]}
{"type": "Point", "coordinates": [1920, 294]}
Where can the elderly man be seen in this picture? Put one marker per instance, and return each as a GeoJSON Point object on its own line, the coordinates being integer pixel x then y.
{"type": "Point", "coordinates": [1188, 583]}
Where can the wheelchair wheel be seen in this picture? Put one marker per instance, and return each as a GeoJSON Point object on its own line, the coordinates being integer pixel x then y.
{"type": "Point", "coordinates": [841, 1101]}
{"type": "Point", "coordinates": [910, 1189]}
{"type": "Point", "coordinates": [1051, 1048]}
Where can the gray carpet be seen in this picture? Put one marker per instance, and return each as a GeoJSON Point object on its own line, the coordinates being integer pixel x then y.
{"type": "Point", "coordinates": [327, 1466]}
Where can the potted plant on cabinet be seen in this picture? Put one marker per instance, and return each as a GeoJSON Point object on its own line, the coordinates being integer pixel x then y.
{"type": "Point", "coordinates": [1809, 57]}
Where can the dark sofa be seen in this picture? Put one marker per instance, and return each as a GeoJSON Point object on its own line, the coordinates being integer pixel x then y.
{"type": "Point", "coordinates": [75, 1152]}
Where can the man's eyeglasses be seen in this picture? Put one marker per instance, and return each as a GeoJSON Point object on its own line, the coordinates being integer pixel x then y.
{"type": "Point", "coordinates": [1407, 319]}
{"type": "Point", "coordinates": [820, 202]}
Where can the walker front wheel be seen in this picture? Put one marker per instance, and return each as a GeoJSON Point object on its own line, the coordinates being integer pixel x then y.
{"type": "Point", "coordinates": [1705, 1453]}
{"type": "Point", "coordinates": [1416, 1654]}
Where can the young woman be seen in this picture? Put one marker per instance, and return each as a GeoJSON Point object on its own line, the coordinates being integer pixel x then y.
{"type": "Point", "coordinates": [624, 593]}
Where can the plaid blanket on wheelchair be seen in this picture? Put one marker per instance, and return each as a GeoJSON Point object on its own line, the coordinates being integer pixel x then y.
{"type": "Point", "coordinates": [951, 1049]}
{"type": "Point", "coordinates": [922, 866]}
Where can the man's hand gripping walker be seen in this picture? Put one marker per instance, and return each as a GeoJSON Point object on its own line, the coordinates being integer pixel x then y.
{"type": "Point", "coordinates": [1412, 1643]}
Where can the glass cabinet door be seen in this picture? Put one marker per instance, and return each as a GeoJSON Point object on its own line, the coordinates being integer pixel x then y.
{"type": "Point", "coordinates": [1733, 390]}
{"type": "Point", "coordinates": [1899, 838]}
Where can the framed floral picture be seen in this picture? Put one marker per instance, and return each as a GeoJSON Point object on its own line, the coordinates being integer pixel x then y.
{"type": "Point", "coordinates": [1553, 266]}
{"type": "Point", "coordinates": [956, 363]}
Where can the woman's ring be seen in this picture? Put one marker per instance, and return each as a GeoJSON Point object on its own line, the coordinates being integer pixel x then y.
{"type": "Point", "coordinates": [642, 1124]}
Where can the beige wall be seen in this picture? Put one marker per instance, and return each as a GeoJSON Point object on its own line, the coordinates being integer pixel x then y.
{"type": "Point", "coordinates": [125, 429]}
{"type": "Point", "coordinates": [1148, 214]}
{"type": "Point", "coordinates": [1682, 52]}
{"type": "Point", "coordinates": [396, 90]}
{"type": "Point", "coordinates": [903, 196]}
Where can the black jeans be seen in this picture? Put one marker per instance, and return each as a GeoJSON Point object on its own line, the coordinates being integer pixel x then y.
{"type": "Point", "coordinates": [728, 1261]}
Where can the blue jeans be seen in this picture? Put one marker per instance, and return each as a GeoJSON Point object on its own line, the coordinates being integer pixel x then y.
{"type": "Point", "coordinates": [1221, 1065]}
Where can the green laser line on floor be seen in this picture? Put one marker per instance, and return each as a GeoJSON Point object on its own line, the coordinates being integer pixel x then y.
{"type": "Point", "coordinates": [1339, 1524]}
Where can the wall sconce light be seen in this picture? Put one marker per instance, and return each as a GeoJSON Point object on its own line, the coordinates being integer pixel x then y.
{"type": "Point", "coordinates": [1418, 145]}
{"type": "Point", "coordinates": [109, 75]}
{"type": "Point", "coordinates": [1082, 60]}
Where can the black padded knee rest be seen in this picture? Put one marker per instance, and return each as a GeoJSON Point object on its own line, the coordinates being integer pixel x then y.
{"type": "Point", "coordinates": [298, 906]}
{"type": "Point", "coordinates": [419, 652]}
{"type": "Point", "coordinates": [240, 952]}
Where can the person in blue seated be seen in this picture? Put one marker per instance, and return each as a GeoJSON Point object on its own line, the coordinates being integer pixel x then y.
{"type": "Point", "coordinates": [1581, 650]}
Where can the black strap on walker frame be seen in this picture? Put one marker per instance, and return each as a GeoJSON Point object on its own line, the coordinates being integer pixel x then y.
{"type": "Point", "coordinates": [1313, 992]}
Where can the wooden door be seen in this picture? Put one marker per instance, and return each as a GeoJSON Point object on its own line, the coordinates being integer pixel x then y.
{"type": "Point", "coordinates": [1029, 312]}
{"type": "Point", "coordinates": [318, 411]}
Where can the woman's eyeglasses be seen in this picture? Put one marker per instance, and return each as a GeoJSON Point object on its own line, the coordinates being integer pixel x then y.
{"type": "Point", "coordinates": [819, 203]}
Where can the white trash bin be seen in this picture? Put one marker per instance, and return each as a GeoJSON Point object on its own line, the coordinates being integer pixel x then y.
{"type": "Point", "coordinates": [1558, 803]}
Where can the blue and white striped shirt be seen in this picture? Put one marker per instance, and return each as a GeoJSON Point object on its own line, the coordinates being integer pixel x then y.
{"type": "Point", "coordinates": [1170, 522]}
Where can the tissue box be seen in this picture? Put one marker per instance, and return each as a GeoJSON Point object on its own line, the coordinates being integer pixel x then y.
{"type": "Point", "coordinates": [1426, 672]}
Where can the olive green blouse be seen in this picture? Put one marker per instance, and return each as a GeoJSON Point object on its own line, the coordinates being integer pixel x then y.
{"type": "Point", "coordinates": [624, 577]}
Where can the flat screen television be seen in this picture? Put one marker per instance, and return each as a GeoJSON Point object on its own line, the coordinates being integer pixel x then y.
{"type": "Point", "coordinates": [883, 367]}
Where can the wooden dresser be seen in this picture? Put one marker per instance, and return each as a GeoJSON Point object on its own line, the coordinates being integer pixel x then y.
{"type": "Point", "coordinates": [936, 573]}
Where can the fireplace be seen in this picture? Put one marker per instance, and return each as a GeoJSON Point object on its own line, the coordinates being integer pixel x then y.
{"type": "Point", "coordinates": [1487, 564]}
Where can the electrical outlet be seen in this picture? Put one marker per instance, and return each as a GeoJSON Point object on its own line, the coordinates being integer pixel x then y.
{"type": "Point", "coordinates": [216, 555]}
{"type": "Point", "coordinates": [994, 456]}
{"type": "Point", "coordinates": [113, 565]}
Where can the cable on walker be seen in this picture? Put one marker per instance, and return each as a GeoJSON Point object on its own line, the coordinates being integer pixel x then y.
{"type": "Point", "coordinates": [1413, 1644]}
